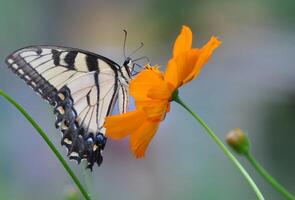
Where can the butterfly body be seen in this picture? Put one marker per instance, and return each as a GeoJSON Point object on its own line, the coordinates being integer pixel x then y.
{"type": "Point", "coordinates": [82, 86]}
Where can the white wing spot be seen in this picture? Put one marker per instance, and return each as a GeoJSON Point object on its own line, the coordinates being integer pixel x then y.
{"type": "Point", "coordinates": [27, 77]}
{"type": "Point", "coordinates": [67, 141]}
{"type": "Point", "coordinates": [21, 71]}
{"type": "Point", "coordinates": [33, 84]}
{"type": "Point", "coordinates": [95, 147]}
{"type": "Point", "coordinates": [10, 61]}
{"type": "Point", "coordinates": [61, 96]}
{"type": "Point", "coordinates": [14, 66]}
{"type": "Point", "coordinates": [74, 154]}
{"type": "Point", "coordinates": [61, 110]}
{"type": "Point", "coordinates": [64, 127]}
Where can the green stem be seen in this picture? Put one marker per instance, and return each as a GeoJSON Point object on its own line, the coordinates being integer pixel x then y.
{"type": "Point", "coordinates": [268, 177]}
{"type": "Point", "coordinates": [222, 146]}
{"type": "Point", "coordinates": [49, 143]}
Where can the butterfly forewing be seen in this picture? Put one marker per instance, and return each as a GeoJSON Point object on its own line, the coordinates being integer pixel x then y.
{"type": "Point", "coordinates": [82, 86]}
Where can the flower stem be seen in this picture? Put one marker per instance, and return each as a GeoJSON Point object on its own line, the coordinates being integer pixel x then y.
{"type": "Point", "coordinates": [268, 177]}
{"type": "Point", "coordinates": [177, 99]}
{"type": "Point", "coordinates": [48, 142]}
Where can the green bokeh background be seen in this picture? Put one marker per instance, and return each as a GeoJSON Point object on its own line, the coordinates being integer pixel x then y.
{"type": "Point", "coordinates": [249, 83]}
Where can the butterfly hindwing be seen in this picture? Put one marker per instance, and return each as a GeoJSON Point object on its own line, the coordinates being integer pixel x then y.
{"type": "Point", "coordinates": [82, 86]}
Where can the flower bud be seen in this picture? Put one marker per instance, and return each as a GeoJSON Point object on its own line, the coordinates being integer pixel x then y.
{"type": "Point", "coordinates": [237, 140]}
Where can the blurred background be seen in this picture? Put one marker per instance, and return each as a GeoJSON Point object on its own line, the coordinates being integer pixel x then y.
{"type": "Point", "coordinates": [248, 83]}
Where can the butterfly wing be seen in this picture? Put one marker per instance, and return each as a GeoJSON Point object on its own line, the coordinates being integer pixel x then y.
{"type": "Point", "coordinates": [81, 110]}
{"type": "Point", "coordinates": [82, 86]}
{"type": "Point", "coordinates": [123, 97]}
{"type": "Point", "coordinates": [47, 68]}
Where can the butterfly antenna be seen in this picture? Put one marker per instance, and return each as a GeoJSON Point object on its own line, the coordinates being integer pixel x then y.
{"type": "Point", "coordinates": [138, 48]}
{"type": "Point", "coordinates": [124, 44]}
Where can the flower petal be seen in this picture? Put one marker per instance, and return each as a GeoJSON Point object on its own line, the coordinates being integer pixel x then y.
{"type": "Point", "coordinates": [161, 91]}
{"type": "Point", "coordinates": [186, 66]}
{"type": "Point", "coordinates": [156, 111]}
{"type": "Point", "coordinates": [142, 137]}
{"type": "Point", "coordinates": [146, 80]}
{"type": "Point", "coordinates": [183, 42]}
{"type": "Point", "coordinates": [152, 91]}
{"type": "Point", "coordinates": [120, 126]}
{"type": "Point", "coordinates": [180, 67]}
{"type": "Point", "coordinates": [203, 57]}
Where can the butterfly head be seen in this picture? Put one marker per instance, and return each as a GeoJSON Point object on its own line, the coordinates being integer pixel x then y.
{"type": "Point", "coordinates": [129, 65]}
{"type": "Point", "coordinates": [132, 67]}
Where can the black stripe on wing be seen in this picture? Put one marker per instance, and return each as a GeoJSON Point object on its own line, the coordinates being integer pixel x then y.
{"type": "Point", "coordinates": [31, 76]}
{"type": "Point", "coordinates": [52, 71]}
{"type": "Point", "coordinates": [47, 68]}
{"type": "Point", "coordinates": [79, 143]}
{"type": "Point", "coordinates": [81, 110]}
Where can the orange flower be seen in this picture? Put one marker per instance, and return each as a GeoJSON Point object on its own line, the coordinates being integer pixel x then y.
{"type": "Point", "coordinates": [152, 91]}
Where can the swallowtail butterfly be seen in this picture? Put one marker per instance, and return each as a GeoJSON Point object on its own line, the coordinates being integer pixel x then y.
{"type": "Point", "coordinates": [82, 86]}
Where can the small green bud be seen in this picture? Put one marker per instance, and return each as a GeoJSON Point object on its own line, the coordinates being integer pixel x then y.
{"type": "Point", "coordinates": [237, 140]}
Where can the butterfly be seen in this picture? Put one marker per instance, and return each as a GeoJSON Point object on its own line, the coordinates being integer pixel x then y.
{"type": "Point", "coordinates": [83, 88]}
